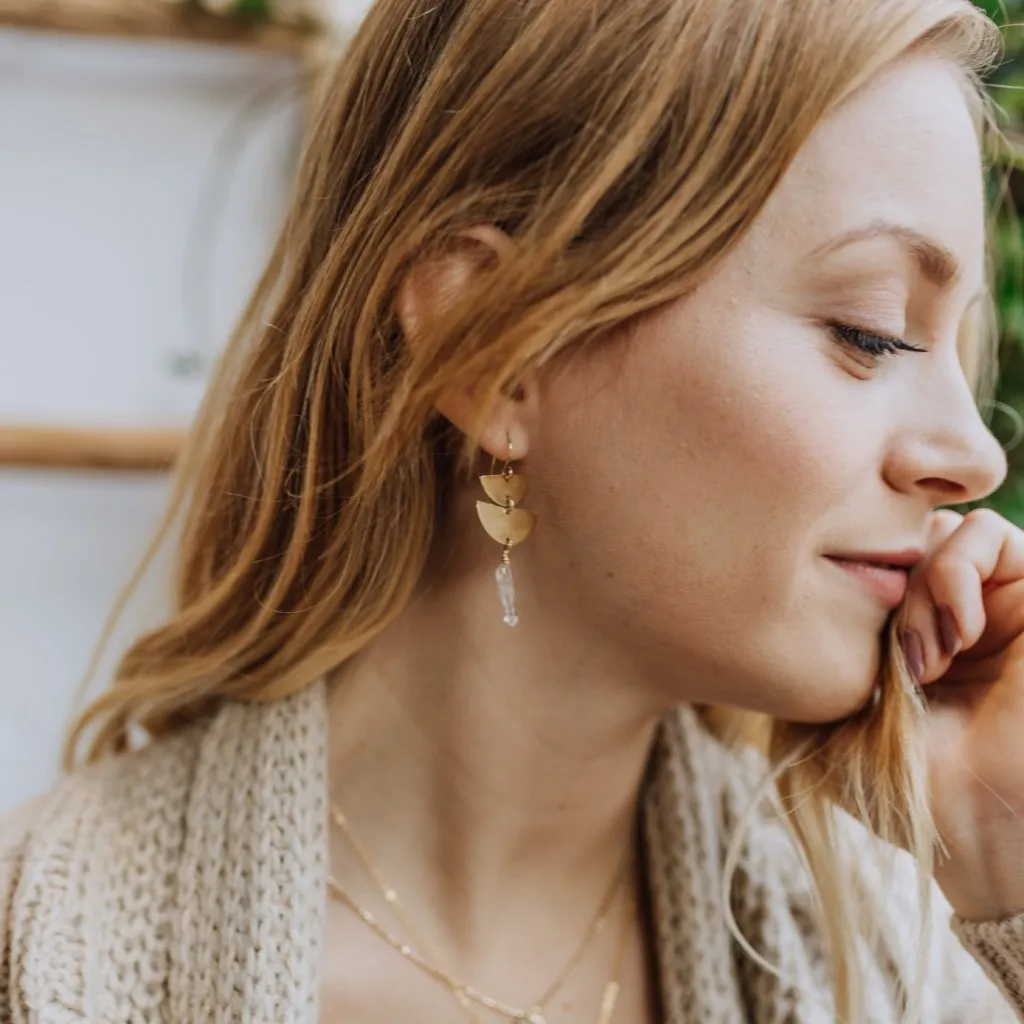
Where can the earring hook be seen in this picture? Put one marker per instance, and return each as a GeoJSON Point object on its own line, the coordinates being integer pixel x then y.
{"type": "Point", "coordinates": [507, 471]}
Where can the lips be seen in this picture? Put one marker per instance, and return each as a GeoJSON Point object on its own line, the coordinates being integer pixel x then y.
{"type": "Point", "coordinates": [883, 576]}
{"type": "Point", "coordinates": [905, 558]}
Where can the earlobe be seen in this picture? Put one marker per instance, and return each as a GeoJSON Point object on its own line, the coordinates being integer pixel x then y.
{"type": "Point", "coordinates": [502, 435]}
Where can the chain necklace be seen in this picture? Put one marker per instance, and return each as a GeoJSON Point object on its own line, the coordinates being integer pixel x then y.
{"type": "Point", "coordinates": [467, 994]}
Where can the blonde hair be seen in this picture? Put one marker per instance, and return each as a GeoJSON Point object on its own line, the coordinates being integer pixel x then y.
{"type": "Point", "coordinates": [626, 147]}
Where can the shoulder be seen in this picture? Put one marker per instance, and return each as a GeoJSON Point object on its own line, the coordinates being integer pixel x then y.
{"type": "Point", "coordinates": [129, 790]}
{"type": "Point", "coordinates": [100, 788]}
{"type": "Point", "coordinates": [105, 876]}
{"type": "Point", "coordinates": [62, 853]}
{"type": "Point", "coordinates": [15, 828]}
{"type": "Point", "coordinates": [123, 813]}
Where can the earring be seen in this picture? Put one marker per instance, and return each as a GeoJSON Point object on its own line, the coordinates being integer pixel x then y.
{"type": "Point", "coordinates": [508, 524]}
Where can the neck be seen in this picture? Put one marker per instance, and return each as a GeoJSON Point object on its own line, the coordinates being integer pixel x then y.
{"type": "Point", "coordinates": [492, 773]}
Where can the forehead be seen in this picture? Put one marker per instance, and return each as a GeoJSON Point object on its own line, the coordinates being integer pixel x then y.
{"type": "Point", "coordinates": [904, 149]}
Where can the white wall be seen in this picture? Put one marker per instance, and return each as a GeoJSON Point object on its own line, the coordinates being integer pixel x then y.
{"type": "Point", "coordinates": [346, 12]}
{"type": "Point", "coordinates": [105, 157]}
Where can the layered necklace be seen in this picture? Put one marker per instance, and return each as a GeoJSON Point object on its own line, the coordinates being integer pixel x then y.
{"type": "Point", "coordinates": [468, 997]}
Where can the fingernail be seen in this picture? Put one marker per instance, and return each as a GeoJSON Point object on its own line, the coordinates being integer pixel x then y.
{"type": "Point", "coordinates": [913, 651]}
{"type": "Point", "coordinates": [952, 643]}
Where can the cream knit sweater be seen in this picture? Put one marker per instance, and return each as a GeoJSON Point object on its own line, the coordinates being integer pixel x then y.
{"type": "Point", "coordinates": [185, 884]}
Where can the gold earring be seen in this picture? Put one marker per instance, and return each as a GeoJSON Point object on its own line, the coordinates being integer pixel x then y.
{"type": "Point", "coordinates": [508, 524]}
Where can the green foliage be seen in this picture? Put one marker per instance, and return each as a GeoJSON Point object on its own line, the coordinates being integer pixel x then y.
{"type": "Point", "coordinates": [253, 8]}
{"type": "Point", "coordinates": [999, 10]}
{"type": "Point", "coordinates": [249, 10]}
{"type": "Point", "coordinates": [1006, 86]}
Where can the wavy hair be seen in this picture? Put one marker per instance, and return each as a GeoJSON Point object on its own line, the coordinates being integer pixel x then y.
{"type": "Point", "coordinates": [626, 147]}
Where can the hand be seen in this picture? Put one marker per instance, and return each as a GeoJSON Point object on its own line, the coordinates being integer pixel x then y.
{"type": "Point", "coordinates": [966, 607]}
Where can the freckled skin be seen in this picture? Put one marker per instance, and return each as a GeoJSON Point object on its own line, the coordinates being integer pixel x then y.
{"type": "Point", "coordinates": [692, 475]}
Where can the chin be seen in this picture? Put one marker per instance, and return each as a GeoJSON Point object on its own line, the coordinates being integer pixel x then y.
{"type": "Point", "coordinates": [821, 689]}
{"type": "Point", "coordinates": [830, 698]}
{"type": "Point", "coordinates": [840, 677]}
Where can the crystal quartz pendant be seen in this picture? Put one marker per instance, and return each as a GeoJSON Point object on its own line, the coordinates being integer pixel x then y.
{"type": "Point", "coordinates": [507, 593]}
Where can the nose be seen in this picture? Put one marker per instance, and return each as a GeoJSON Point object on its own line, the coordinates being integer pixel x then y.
{"type": "Point", "coordinates": [947, 453]}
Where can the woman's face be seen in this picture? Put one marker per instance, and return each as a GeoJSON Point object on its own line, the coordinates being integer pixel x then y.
{"type": "Point", "coordinates": [698, 478]}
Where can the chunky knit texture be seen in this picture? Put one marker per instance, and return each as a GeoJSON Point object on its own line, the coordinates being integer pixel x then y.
{"type": "Point", "coordinates": [186, 883]}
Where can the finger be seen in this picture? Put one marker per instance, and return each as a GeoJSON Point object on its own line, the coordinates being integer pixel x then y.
{"type": "Point", "coordinates": [917, 626]}
{"type": "Point", "coordinates": [1004, 614]}
{"type": "Point", "coordinates": [946, 605]}
{"type": "Point", "coordinates": [952, 578]}
{"type": "Point", "coordinates": [941, 524]}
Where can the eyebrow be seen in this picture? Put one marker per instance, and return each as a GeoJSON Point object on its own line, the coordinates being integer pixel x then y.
{"type": "Point", "coordinates": [935, 262]}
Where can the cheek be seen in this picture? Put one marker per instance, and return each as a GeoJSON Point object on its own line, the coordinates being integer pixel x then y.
{"type": "Point", "coordinates": [689, 473]}
{"type": "Point", "coordinates": [697, 452]}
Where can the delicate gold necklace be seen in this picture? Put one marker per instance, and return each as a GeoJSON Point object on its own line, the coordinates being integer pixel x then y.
{"type": "Point", "coordinates": [467, 994]}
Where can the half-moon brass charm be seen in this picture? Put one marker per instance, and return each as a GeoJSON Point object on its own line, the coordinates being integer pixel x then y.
{"type": "Point", "coordinates": [508, 526]}
{"type": "Point", "coordinates": [503, 489]}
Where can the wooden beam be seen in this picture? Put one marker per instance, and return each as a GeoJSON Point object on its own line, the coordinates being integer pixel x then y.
{"type": "Point", "coordinates": [153, 19]}
{"type": "Point", "coordinates": [74, 448]}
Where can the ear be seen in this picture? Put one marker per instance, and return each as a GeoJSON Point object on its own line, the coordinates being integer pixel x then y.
{"type": "Point", "coordinates": [433, 286]}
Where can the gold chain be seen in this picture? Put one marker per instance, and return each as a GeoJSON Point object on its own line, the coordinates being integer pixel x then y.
{"type": "Point", "coordinates": [593, 929]}
{"type": "Point", "coordinates": [611, 991]}
{"type": "Point", "coordinates": [466, 994]}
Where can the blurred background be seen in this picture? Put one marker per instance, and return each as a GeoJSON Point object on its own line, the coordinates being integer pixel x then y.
{"type": "Point", "coordinates": [148, 152]}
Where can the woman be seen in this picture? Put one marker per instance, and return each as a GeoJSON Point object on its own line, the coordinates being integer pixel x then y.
{"type": "Point", "coordinates": [709, 276]}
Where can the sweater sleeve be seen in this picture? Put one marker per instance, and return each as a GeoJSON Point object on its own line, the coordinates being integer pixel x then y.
{"type": "Point", "coordinates": [14, 834]}
{"type": "Point", "coordinates": [998, 946]}
{"type": "Point", "coordinates": [967, 980]}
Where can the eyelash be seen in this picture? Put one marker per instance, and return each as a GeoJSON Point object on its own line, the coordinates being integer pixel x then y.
{"type": "Point", "coordinates": [871, 343]}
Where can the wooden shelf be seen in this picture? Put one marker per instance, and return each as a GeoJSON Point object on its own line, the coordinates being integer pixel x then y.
{"type": "Point", "coordinates": [152, 19]}
{"type": "Point", "coordinates": [73, 448]}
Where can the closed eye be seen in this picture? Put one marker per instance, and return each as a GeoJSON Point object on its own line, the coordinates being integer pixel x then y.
{"type": "Point", "coordinates": [871, 342]}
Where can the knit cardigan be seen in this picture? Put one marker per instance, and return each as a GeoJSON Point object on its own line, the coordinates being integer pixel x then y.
{"type": "Point", "coordinates": [185, 883]}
